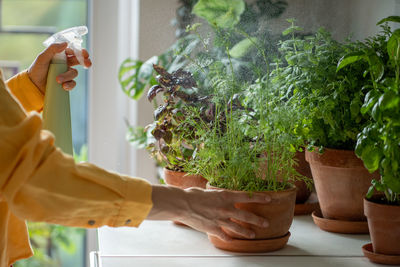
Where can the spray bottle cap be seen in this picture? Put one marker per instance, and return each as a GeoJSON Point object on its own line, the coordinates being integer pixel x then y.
{"type": "Point", "coordinates": [73, 36]}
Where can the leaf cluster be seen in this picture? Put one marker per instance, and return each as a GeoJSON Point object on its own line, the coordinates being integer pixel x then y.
{"type": "Point", "coordinates": [378, 145]}
{"type": "Point", "coordinates": [330, 101]}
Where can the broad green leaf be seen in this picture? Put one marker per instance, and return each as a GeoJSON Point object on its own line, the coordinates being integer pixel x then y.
{"type": "Point", "coordinates": [389, 19]}
{"type": "Point", "coordinates": [349, 59]}
{"type": "Point", "coordinates": [128, 77]}
{"type": "Point", "coordinates": [243, 47]}
{"type": "Point", "coordinates": [222, 13]}
{"type": "Point", "coordinates": [392, 182]}
{"type": "Point", "coordinates": [393, 46]}
{"type": "Point", "coordinates": [376, 66]}
{"type": "Point", "coordinates": [369, 102]}
{"type": "Point", "coordinates": [371, 191]}
{"type": "Point", "coordinates": [371, 156]}
{"type": "Point", "coordinates": [389, 100]}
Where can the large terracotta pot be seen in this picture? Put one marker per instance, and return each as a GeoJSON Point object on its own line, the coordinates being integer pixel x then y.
{"type": "Point", "coordinates": [279, 212]}
{"type": "Point", "coordinates": [182, 180]}
{"type": "Point", "coordinates": [302, 167]}
{"type": "Point", "coordinates": [384, 226]}
{"type": "Point", "coordinates": [341, 182]}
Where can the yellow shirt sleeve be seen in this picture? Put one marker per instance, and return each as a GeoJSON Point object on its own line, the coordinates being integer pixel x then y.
{"type": "Point", "coordinates": [40, 183]}
{"type": "Point", "coordinates": [26, 92]}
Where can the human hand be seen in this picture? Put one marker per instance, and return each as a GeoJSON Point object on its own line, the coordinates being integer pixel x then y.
{"type": "Point", "coordinates": [38, 70]}
{"type": "Point", "coordinates": [206, 210]}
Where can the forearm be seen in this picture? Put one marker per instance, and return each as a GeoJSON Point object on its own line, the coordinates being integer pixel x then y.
{"type": "Point", "coordinates": [169, 203]}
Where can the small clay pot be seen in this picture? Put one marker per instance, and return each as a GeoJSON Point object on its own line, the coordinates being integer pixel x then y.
{"type": "Point", "coordinates": [279, 213]}
{"type": "Point", "coordinates": [183, 180]}
{"type": "Point", "coordinates": [384, 226]}
{"type": "Point", "coordinates": [341, 182]}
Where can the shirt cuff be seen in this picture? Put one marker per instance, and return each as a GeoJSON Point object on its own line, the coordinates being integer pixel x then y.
{"type": "Point", "coordinates": [137, 204]}
{"type": "Point", "coordinates": [27, 93]}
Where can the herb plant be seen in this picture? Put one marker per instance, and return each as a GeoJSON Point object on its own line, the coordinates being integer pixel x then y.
{"type": "Point", "coordinates": [171, 141]}
{"type": "Point", "coordinates": [331, 101]}
{"type": "Point", "coordinates": [378, 145]}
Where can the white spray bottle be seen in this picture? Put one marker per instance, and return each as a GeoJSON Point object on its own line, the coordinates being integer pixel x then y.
{"type": "Point", "coordinates": [56, 110]}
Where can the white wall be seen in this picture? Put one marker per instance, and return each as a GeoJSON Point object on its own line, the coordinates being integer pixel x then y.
{"type": "Point", "coordinates": [340, 17]}
{"type": "Point", "coordinates": [156, 34]}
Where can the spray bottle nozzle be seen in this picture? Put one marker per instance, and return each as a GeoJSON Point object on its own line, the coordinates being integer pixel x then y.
{"type": "Point", "coordinates": [72, 36]}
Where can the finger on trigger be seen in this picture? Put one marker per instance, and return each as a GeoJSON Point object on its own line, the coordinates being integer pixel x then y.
{"type": "Point", "coordinates": [69, 85]}
{"type": "Point", "coordinates": [69, 75]}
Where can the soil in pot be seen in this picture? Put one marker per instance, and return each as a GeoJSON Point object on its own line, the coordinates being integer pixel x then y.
{"type": "Point", "coordinates": [279, 212]}
{"type": "Point", "coordinates": [384, 226]}
{"type": "Point", "coordinates": [341, 182]}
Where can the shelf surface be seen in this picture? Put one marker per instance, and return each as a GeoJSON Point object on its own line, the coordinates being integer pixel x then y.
{"type": "Point", "coordinates": [162, 243]}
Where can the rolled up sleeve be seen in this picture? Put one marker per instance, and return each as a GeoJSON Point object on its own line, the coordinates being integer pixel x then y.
{"type": "Point", "coordinates": [26, 92]}
{"type": "Point", "coordinates": [40, 183]}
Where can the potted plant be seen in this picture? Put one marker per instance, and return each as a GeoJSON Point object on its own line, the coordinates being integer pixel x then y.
{"type": "Point", "coordinates": [243, 149]}
{"type": "Point", "coordinates": [378, 145]}
{"type": "Point", "coordinates": [244, 45]}
{"type": "Point", "coordinates": [173, 139]}
{"type": "Point", "coordinates": [331, 102]}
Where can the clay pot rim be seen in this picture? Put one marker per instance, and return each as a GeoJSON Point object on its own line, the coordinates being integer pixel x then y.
{"type": "Point", "coordinates": [292, 188]}
{"type": "Point", "coordinates": [370, 204]}
{"type": "Point", "coordinates": [329, 158]}
{"type": "Point", "coordinates": [332, 150]}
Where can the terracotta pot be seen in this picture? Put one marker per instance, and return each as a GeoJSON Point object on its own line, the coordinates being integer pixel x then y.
{"type": "Point", "coordinates": [279, 212]}
{"type": "Point", "coordinates": [303, 193]}
{"type": "Point", "coordinates": [182, 180]}
{"type": "Point", "coordinates": [384, 226]}
{"type": "Point", "coordinates": [341, 182]}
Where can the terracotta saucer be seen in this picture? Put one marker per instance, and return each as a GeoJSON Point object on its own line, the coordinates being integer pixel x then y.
{"type": "Point", "coordinates": [251, 246]}
{"type": "Point", "coordinates": [305, 208]}
{"type": "Point", "coordinates": [338, 226]}
{"type": "Point", "coordinates": [380, 258]}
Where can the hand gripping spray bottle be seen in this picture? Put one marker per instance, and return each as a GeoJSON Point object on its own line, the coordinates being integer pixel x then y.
{"type": "Point", "coordinates": [56, 110]}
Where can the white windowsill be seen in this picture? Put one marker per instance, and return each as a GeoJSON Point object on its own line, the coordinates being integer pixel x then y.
{"type": "Point", "coordinates": [160, 243]}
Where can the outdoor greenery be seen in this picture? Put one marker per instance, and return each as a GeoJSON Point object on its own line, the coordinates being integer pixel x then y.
{"type": "Point", "coordinates": [306, 72]}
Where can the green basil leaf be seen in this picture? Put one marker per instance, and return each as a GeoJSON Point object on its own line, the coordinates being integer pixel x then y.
{"type": "Point", "coordinates": [376, 66]}
{"type": "Point", "coordinates": [393, 45]}
{"type": "Point", "coordinates": [389, 19]}
{"type": "Point", "coordinates": [389, 100]}
{"type": "Point", "coordinates": [371, 156]}
{"type": "Point", "coordinates": [349, 59]}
